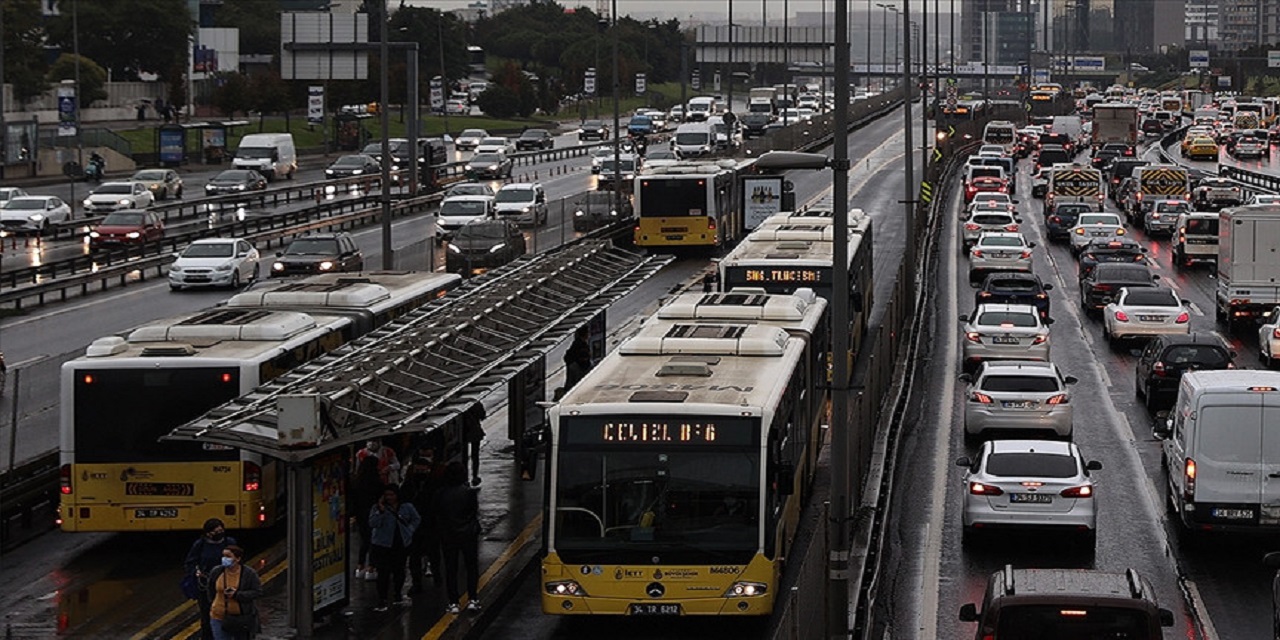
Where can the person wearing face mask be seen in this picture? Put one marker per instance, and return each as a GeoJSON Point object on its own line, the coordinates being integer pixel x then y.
{"type": "Point", "coordinates": [234, 589]}
{"type": "Point", "coordinates": [205, 554]}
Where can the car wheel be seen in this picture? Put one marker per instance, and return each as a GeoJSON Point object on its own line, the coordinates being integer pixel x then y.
{"type": "Point", "coordinates": [177, 195]}
{"type": "Point", "coordinates": [968, 536]}
{"type": "Point", "coordinates": [235, 279]}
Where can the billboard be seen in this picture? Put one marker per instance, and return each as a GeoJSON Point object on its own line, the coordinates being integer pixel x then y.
{"type": "Point", "coordinates": [1198, 58]}
{"type": "Point", "coordinates": [764, 199]}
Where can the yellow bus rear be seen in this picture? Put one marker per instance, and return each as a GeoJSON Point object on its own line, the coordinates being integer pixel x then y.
{"type": "Point", "coordinates": [660, 590]}
{"type": "Point", "coordinates": [677, 231]}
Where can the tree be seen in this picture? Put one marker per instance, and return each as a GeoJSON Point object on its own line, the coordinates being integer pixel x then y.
{"type": "Point", "coordinates": [258, 22]}
{"type": "Point", "coordinates": [231, 93]}
{"type": "Point", "coordinates": [498, 101]}
{"type": "Point", "coordinates": [93, 78]}
{"type": "Point", "coordinates": [268, 94]}
{"type": "Point", "coordinates": [524, 96]}
{"type": "Point", "coordinates": [128, 37]}
{"type": "Point", "coordinates": [23, 39]}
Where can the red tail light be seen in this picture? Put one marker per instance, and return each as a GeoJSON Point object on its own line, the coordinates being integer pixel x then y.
{"type": "Point", "coordinates": [1026, 254]}
{"type": "Point", "coordinates": [977, 253]}
{"type": "Point", "coordinates": [982, 397]}
{"type": "Point", "coordinates": [1121, 316]}
{"type": "Point", "coordinates": [1159, 369]}
{"type": "Point", "coordinates": [64, 475]}
{"type": "Point", "coordinates": [1189, 472]}
{"type": "Point", "coordinates": [1061, 398]}
{"type": "Point", "coordinates": [973, 336]}
{"type": "Point", "coordinates": [252, 476]}
{"type": "Point", "coordinates": [979, 489]}
{"type": "Point", "coordinates": [1041, 339]}
{"type": "Point", "coordinates": [1275, 333]}
{"type": "Point", "coordinates": [1082, 491]}
{"type": "Point", "coordinates": [970, 226]}
{"type": "Point", "coordinates": [1004, 190]}
{"type": "Point", "coordinates": [1101, 287]}
{"type": "Point", "coordinates": [1055, 219]}
{"type": "Point", "coordinates": [1183, 318]}
{"type": "Point", "coordinates": [1011, 228]}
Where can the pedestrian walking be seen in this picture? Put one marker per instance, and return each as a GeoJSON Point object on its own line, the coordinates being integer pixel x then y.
{"type": "Point", "coordinates": [204, 556]}
{"type": "Point", "coordinates": [457, 513]}
{"type": "Point", "coordinates": [473, 434]}
{"type": "Point", "coordinates": [419, 488]}
{"type": "Point", "coordinates": [393, 524]}
{"type": "Point", "coordinates": [388, 463]}
{"type": "Point", "coordinates": [234, 590]}
{"type": "Point", "coordinates": [366, 489]}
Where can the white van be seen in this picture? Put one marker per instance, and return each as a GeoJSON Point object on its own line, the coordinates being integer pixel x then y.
{"type": "Point", "coordinates": [1003, 133]}
{"type": "Point", "coordinates": [271, 154]}
{"type": "Point", "coordinates": [693, 139]}
{"type": "Point", "coordinates": [1222, 451]}
{"type": "Point", "coordinates": [700, 108]}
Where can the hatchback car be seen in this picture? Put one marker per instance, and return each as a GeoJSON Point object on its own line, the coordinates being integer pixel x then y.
{"type": "Point", "coordinates": [33, 213]}
{"type": "Point", "coordinates": [1143, 312]}
{"type": "Point", "coordinates": [594, 209]}
{"type": "Point", "coordinates": [215, 262]}
{"type": "Point", "coordinates": [494, 166]}
{"type": "Point", "coordinates": [1014, 288]}
{"type": "Point", "coordinates": [1250, 147]}
{"type": "Point", "coordinates": [987, 221]}
{"type": "Point", "coordinates": [1029, 484]}
{"type": "Point", "coordinates": [1017, 396]}
{"type": "Point", "coordinates": [593, 130]}
{"type": "Point", "coordinates": [319, 253]}
{"type": "Point", "coordinates": [1005, 332]}
{"type": "Point", "coordinates": [1090, 226]}
{"type": "Point", "coordinates": [458, 211]}
{"type": "Point", "coordinates": [349, 166]}
{"type": "Point", "coordinates": [1002, 251]}
{"type": "Point", "coordinates": [534, 140]}
{"type": "Point", "coordinates": [235, 181]}
{"type": "Point", "coordinates": [126, 228]}
{"type": "Point", "coordinates": [1165, 358]}
{"type": "Point", "coordinates": [524, 202]}
{"type": "Point", "coordinates": [469, 138]}
{"type": "Point", "coordinates": [163, 183]}
{"type": "Point", "coordinates": [1105, 281]}
{"type": "Point", "coordinates": [1161, 218]}
{"type": "Point", "coordinates": [1109, 250]}
{"type": "Point", "coordinates": [992, 200]}
{"type": "Point", "coordinates": [485, 244]}
{"type": "Point", "coordinates": [1059, 220]}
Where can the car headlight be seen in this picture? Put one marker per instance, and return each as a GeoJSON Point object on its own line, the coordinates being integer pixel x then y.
{"type": "Point", "coordinates": [613, 212]}
{"type": "Point", "coordinates": [746, 589]}
{"type": "Point", "coordinates": [240, 187]}
{"type": "Point", "coordinates": [88, 203]}
{"type": "Point", "coordinates": [328, 172]}
{"type": "Point", "coordinates": [496, 247]}
{"type": "Point", "coordinates": [454, 248]}
{"type": "Point", "coordinates": [37, 217]}
{"type": "Point", "coordinates": [579, 213]}
{"type": "Point", "coordinates": [526, 209]}
{"type": "Point", "coordinates": [173, 268]}
{"type": "Point", "coordinates": [123, 201]}
{"type": "Point", "coordinates": [154, 187]}
{"type": "Point", "coordinates": [468, 167]}
{"type": "Point", "coordinates": [224, 267]}
{"type": "Point", "coordinates": [133, 235]}
{"type": "Point", "coordinates": [357, 172]}
{"type": "Point", "coordinates": [279, 266]}
{"type": "Point", "coordinates": [327, 265]}
{"type": "Point", "coordinates": [95, 234]}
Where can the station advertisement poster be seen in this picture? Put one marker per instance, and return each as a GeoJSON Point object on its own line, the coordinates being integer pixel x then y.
{"type": "Point", "coordinates": [172, 145]}
{"type": "Point", "coordinates": [763, 199]}
{"type": "Point", "coordinates": [328, 531]}
{"type": "Point", "coordinates": [315, 104]}
{"type": "Point", "coordinates": [66, 111]}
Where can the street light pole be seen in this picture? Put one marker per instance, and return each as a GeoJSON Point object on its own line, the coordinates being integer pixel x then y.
{"type": "Point", "coordinates": [388, 259]}
{"type": "Point", "coordinates": [617, 117]}
{"type": "Point", "coordinates": [730, 74]}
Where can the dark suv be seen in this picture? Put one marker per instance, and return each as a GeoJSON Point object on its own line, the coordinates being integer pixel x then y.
{"type": "Point", "coordinates": [319, 253]}
{"type": "Point", "coordinates": [1068, 603]}
{"type": "Point", "coordinates": [1014, 288]}
{"type": "Point", "coordinates": [1109, 250]}
{"type": "Point", "coordinates": [1119, 169]}
{"type": "Point", "coordinates": [1059, 220]}
{"type": "Point", "coordinates": [1106, 280]}
{"type": "Point", "coordinates": [1166, 358]}
{"type": "Point", "coordinates": [535, 139]}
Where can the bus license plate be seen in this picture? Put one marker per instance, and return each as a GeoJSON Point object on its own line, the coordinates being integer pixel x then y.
{"type": "Point", "coordinates": [1233, 514]}
{"type": "Point", "coordinates": [156, 512]}
{"type": "Point", "coordinates": [674, 238]}
{"type": "Point", "coordinates": [654, 609]}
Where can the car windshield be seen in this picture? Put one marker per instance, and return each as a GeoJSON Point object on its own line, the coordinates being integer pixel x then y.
{"type": "Point", "coordinates": [493, 142]}
{"type": "Point", "coordinates": [595, 124]}
{"type": "Point", "coordinates": [1205, 356]}
{"type": "Point", "coordinates": [1072, 209]}
{"type": "Point", "coordinates": [113, 189]}
{"type": "Point", "coordinates": [1001, 241]}
{"type": "Point", "coordinates": [1076, 621]}
{"type": "Point", "coordinates": [1033, 464]}
{"type": "Point", "coordinates": [463, 208]}
{"type": "Point", "coordinates": [1019, 383]}
{"type": "Point", "coordinates": [594, 198]}
{"type": "Point", "coordinates": [350, 161]}
{"type": "Point", "coordinates": [1013, 286]}
{"type": "Point", "coordinates": [24, 204]}
{"type": "Point", "coordinates": [534, 134]}
{"type": "Point", "coordinates": [623, 165]}
{"type": "Point", "coordinates": [515, 195]}
{"type": "Point", "coordinates": [210, 250]}
{"type": "Point", "coordinates": [692, 137]}
{"type": "Point", "coordinates": [1172, 207]}
{"type": "Point", "coordinates": [473, 133]}
{"type": "Point", "coordinates": [149, 176]}
{"type": "Point", "coordinates": [995, 198]}
{"type": "Point", "coordinates": [660, 154]}
{"type": "Point", "coordinates": [123, 220]}
{"type": "Point", "coordinates": [485, 231]}
{"type": "Point", "coordinates": [231, 176]}
{"type": "Point", "coordinates": [1006, 318]}
{"type": "Point", "coordinates": [1202, 226]}
{"type": "Point", "coordinates": [991, 218]}
{"type": "Point", "coordinates": [471, 189]}
{"type": "Point", "coordinates": [313, 247]}
{"type": "Point", "coordinates": [1151, 297]}
{"type": "Point", "coordinates": [1100, 218]}
{"type": "Point", "coordinates": [486, 158]}
{"type": "Point", "coordinates": [255, 152]}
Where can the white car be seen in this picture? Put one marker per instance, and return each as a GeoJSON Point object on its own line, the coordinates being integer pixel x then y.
{"type": "Point", "coordinates": [496, 144]}
{"type": "Point", "coordinates": [1005, 332]}
{"type": "Point", "coordinates": [1143, 312]}
{"type": "Point", "coordinates": [118, 196]}
{"type": "Point", "coordinates": [10, 192]}
{"type": "Point", "coordinates": [215, 262]}
{"type": "Point", "coordinates": [987, 220]}
{"type": "Point", "coordinates": [1017, 396]}
{"type": "Point", "coordinates": [1263, 198]}
{"type": "Point", "coordinates": [469, 139]}
{"type": "Point", "coordinates": [1090, 226]}
{"type": "Point", "coordinates": [999, 251]}
{"type": "Point", "coordinates": [33, 213]}
{"type": "Point", "coordinates": [458, 211]}
{"type": "Point", "coordinates": [991, 200]}
{"type": "Point", "coordinates": [598, 156]}
{"type": "Point", "coordinates": [1269, 338]}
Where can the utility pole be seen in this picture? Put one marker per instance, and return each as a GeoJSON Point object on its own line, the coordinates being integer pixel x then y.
{"type": "Point", "coordinates": [731, 45]}
{"type": "Point", "coordinates": [617, 116]}
{"type": "Point", "coordinates": [909, 185]}
{"type": "Point", "coordinates": [388, 258]}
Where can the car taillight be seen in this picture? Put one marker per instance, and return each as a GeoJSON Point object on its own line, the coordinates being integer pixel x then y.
{"type": "Point", "coordinates": [1119, 232]}
{"type": "Point", "coordinates": [64, 475]}
{"type": "Point", "coordinates": [1159, 369]}
{"type": "Point", "coordinates": [1061, 398]}
{"type": "Point", "coordinates": [987, 294]}
{"type": "Point", "coordinates": [1082, 491]}
{"type": "Point", "coordinates": [1275, 333]}
{"type": "Point", "coordinates": [973, 336]}
{"type": "Point", "coordinates": [1003, 189]}
{"type": "Point", "coordinates": [1040, 339]}
{"type": "Point", "coordinates": [1011, 228]}
{"type": "Point", "coordinates": [1101, 287]}
{"type": "Point", "coordinates": [1055, 219]}
{"type": "Point", "coordinates": [1026, 254]}
{"type": "Point", "coordinates": [1189, 473]}
{"type": "Point", "coordinates": [1122, 316]}
{"type": "Point", "coordinates": [252, 476]}
{"type": "Point", "coordinates": [979, 489]}
{"type": "Point", "coordinates": [1183, 318]}
{"type": "Point", "coordinates": [981, 397]}
{"type": "Point", "coordinates": [970, 226]}
{"type": "Point", "coordinates": [1042, 295]}
{"type": "Point", "coordinates": [977, 253]}
{"type": "Point", "coordinates": [1079, 232]}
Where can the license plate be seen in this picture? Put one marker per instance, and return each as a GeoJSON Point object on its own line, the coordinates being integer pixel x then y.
{"type": "Point", "coordinates": [1151, 318]}
{"type": "Point", "coordinates": [156, 512]}
{"type": "Point", "coordinates": [675, 238]}
{"type": "Point", "coordinates": [1004, 340]}
{"type": "Point", "coordinates": [1099, 234]}
{"type": "Point", "coordinates": [654, 609]}
{"type": "Point", "coordinates": [1023, 404]}
{"type": "Point", "coordinates": [1031, 498]}
{"type": "Point", "coordinates": [1233, 514]}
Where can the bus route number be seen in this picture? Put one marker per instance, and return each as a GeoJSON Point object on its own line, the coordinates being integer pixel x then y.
{"type": "Point", "coordinates": [784, 275]}
{"type": "Point", "coordinates": [682, 433]}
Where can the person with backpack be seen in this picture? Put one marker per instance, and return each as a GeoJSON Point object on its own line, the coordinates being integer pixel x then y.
{"type": "Point", "coordinates": [204, 556]}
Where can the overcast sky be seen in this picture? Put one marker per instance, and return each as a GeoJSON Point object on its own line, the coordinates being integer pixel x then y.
{"type": "Point", "coordinates": [683, 8]}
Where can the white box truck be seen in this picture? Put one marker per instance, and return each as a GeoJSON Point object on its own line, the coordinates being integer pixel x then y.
{"type": "Point", "coordinates": [1114, 122]}
{"type": "Point", "coordinates": [271, 154]}
{"type": "Point", "coordinates": [1248, 262]}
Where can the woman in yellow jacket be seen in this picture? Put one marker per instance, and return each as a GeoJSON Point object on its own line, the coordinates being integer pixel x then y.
{"type": "Point", "coordinates": [233, 589]}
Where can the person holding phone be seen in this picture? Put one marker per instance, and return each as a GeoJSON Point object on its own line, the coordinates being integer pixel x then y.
{"type": "Point", "coordinates": [234, 590]}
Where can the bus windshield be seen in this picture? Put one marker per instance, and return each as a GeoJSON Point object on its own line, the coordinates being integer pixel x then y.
{"type": "Point", "coordinates": [683, 498]}
{"type": "Point", "coordinates": [120, 414]}
{"type": "Point", "coordinates": [674, 197]}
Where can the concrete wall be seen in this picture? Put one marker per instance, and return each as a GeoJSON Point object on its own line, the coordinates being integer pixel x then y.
{"type": "Point", "coordinates": [122, 102]}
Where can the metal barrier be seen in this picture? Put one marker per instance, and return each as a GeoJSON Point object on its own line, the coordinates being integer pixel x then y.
{"type": "Point", "coordinates": [1255, 180]}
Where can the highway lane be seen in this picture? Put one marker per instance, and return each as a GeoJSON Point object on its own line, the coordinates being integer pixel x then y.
{"type": "Point", "coordinates": [1222, 572]}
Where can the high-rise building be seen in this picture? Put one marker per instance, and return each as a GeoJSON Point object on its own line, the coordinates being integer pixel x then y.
{"type": "Point", "coordinates": [972, 25]}
{"type": "Point", "coordinates": [1202, 23]}
{"type": "Point", "coordinates": [1010, 35]}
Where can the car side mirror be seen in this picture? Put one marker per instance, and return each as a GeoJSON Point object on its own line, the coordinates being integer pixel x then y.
{"type": "Point", "coordinates": [1166, 618]}
{"type": "Point", "coordinates": [1047, 321]}
{"type": "Point", "coordinates": [1093, 465]}
{"type": "Point", "coordinates": [1071, 380]}
{"type": "Point", "coordinates": [963, 317]}
{"type": "Point", "coordinates": [1016, 201]}
{"type": "Point", "coordinates": [969, 613]}
{"type": "Point", "coordinates": [1271, 560]}
{"type": "Point", "coordinates": [1048, 287]}
{"type": "Point", "coordinates": [1185, 302]}
{"type": "Point", "coordinates": [965, 377]}
{"type": "Point", "coordinates": [964, 461]}
{"type": "Point", "coordinates": [1163, 428]}
{"type": "Point", "coordinates": [279, 254]}
{"type": "Point", "coordinates": [1031, 244]}
{"type": "Point", "coordinates": [1155, 276]}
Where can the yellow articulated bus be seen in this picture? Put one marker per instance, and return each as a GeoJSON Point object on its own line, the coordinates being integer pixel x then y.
{"type": "Point", "coordinates": [127, 391]}
{"type": "Point", "coordinates": [678, 465]}
{"type": "Point", "coordinates": [690, 204]}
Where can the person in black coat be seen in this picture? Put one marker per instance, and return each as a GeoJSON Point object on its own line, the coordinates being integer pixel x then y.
{"type": "Point", "coordinates": [419, 488]}
{"type": "Point", "coordinates": [456, 510]}
{"type": "Point", "coordinates": [577, 359]}
{"type": "Point", "coordinates": [366, 490]}
{"type": "Point", "coordinates": [204, 556]}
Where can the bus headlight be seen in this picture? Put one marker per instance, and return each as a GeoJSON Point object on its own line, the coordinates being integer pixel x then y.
{"type": "Point", "coordinates": [746, 589]}
{"type": "Point", "coordinates": [565, 588]}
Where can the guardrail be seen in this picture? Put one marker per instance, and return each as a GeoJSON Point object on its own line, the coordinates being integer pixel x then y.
{"type": "Point", "coordinates": [1262, 182]}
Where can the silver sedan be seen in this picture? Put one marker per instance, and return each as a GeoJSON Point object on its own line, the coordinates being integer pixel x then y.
{"type": "Point", "coordinates": [1095, 225]}
{"type": "Point", "coordinates": [1029, 484]}
{"type": "Point", "coordinates": [1017, 396]}
{"type": "Point", "coordinates": [1143, 312]}
{"type": "Point", "coordinates": [1001, 251]}
{"type": "Point", "coordinates": [984, 220]}
{"type": "Point", "coordinates": [1005, 332]}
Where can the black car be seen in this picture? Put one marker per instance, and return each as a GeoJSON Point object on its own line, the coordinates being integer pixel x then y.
{"type": "Point", "coordinates": [1119, 169]}
{"type": "Point", "coordinates": [1052, 154]}
{"type": "Point", "coordinates": [357, 164]}
{"type": "Point", "coordinates": [755, 125]}
{"type": "Point", "coordinates": [535, 139]}
{"type": "Point", "coordinates": [1014, 288]}
{"type": "Point", "coordinates": [1166, 358]}
{"type": "Point", "coordinates": [1058, 139]}
{"type": "Point", "coordinates": [597, 208]}
{"type": "Point", "coordinates": [319, 253]}
{"type": "Point", "coordinates": [1105, 281]}
{"type": "Point", "coordinates": [1108, 251]}
{"type": "Point", "coordinates": [494, 166]}
{"type": "Point", "coordinates": [1152, 127]}
{"type": "Point", "coordinates": [484, 244]}
{"type": "Point", "coordinates": [590, 130]}
{"type": "Point", "coordinates": [1059, 220]}
{"type": "Point", "coordinates": [1103, 157]}
{"type": "Point", "coordinates": [235, 181]}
